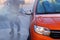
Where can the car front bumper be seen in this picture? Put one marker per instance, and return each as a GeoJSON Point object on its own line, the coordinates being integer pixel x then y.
{"type": "Point", "coordinates": [53, 35]}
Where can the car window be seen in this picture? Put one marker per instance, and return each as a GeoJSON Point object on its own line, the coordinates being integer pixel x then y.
{"type": "Point", "coordinates": [48, 7]}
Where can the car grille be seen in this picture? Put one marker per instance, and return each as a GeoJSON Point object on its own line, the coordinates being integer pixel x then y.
{"type": "Point", "coordinates": [55, 34]}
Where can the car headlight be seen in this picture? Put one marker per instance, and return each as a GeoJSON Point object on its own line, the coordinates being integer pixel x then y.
{"type": "Point", "coordinates": [42, 30]}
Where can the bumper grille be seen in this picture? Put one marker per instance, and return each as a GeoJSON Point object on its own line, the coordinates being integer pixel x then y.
{"type": "Point", "coordinates": [55, 34]}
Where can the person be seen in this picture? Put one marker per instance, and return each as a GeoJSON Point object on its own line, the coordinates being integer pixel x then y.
{"type": "Point", "coordinates": [3, 12]}
{"type": "Point", "coordinates": [13, 15]}
{"type": "Point", "coordinates": [19, 19]}
{"type": "Point", "coordinates": [9, 12]}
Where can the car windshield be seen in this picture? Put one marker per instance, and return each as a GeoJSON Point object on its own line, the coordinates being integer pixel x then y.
{"type": "Point", "coordinates": [48, 6]}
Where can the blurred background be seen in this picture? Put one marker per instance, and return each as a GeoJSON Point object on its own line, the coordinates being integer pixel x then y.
{"type": "Point", "coordinates": [24, 6]}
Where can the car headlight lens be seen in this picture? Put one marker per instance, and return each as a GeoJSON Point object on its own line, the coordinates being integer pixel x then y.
{"type": "Point", "coordinates": [42, 30]}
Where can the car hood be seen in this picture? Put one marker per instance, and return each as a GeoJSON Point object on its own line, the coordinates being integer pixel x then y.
{"type": "Point", "coordinates": [52, 22]}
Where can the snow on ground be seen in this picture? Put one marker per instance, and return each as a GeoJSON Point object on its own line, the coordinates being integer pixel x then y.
{"type": "Point", "coordinates": [5, 35]}
{"type": "Point", "coordinates": [5, 31]}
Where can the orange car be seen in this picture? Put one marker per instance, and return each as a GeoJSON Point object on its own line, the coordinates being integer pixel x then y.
{"type": "Point", "coordinates": [45, 23]}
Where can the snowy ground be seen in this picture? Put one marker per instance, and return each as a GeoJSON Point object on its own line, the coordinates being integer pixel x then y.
{"type": "Point", "coordinates": [5, 31]}
{"type": "Point", "coordinates": [5, 35]}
